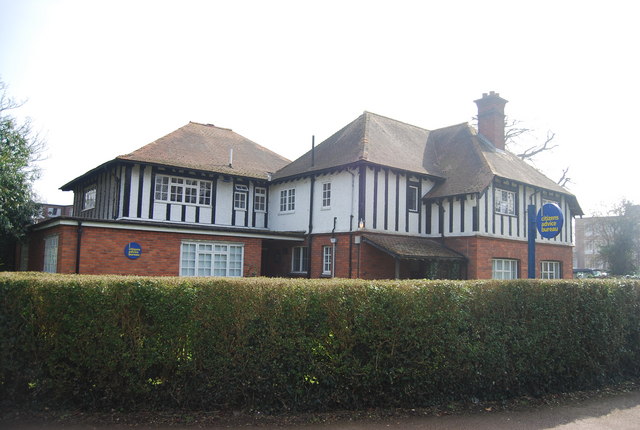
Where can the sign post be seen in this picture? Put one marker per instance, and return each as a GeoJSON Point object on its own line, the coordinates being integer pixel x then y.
{"type": "Point", "coordinates": [531, 272]}
{"type": "Point", "coordinates": [548, 222]}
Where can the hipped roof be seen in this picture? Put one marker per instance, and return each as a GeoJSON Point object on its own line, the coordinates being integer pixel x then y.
{"type": "Point", "coordinates": [205, 147]}
{"type": "Point", "coordinates": [209, 148]}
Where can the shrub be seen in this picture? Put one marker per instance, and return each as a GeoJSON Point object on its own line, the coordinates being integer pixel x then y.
{"type": "Point", "coordinates": [272, 344]}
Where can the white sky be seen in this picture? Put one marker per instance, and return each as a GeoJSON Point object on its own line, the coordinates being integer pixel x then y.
{"type": "Point", "coordinates": [103, 78]}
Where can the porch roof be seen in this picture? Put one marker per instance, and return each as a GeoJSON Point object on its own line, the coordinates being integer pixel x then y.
{"type": "Point", "coordinates": [411, 247]}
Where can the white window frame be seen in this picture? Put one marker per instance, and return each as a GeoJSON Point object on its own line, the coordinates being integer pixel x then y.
{"type": "Point", "coordinates": [550, 269]}
{"type": "Point", "coordinates": [327, 260]}
{"type": "Point", "coordinates": [188, 191]}
{"type": "Point", "coordinates": [260, 199]}
{"type": "Point", "coordinates": [50, 254]}
{"type": "Point", "coordinates": [224, 259]}
{"type": "Point", "coordinates": [89, 198]}
{"type": "Point", "coordinates": [299, 259]}
{"type": "Point", "coordinates": [288, 200]}
{"type": "Point", "coordinates": [505, 202]}
{"type": "Point", "coordinates": [326, 195]}
{"type": "Point", "coordinates": [504, 268]}
{"type": "Point", "coordinates": [240, 197]}
{"type": "Point", "coordinates": [412, 198]}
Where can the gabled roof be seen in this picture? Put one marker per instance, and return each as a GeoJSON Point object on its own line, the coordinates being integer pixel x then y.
{"type": "Point", "coordinates": [470, 163]}
{"type": "Point", "coordinates": [371, 138]}
{"type": "Point", "coordinates": [207, 147]}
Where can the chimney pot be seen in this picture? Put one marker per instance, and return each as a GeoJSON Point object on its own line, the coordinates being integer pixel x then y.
{"type": "Point", "coordinates": [491, 118]}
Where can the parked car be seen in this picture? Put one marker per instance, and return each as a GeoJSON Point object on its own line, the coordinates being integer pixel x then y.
{"type": "Point", "coordinates": [589, 273]}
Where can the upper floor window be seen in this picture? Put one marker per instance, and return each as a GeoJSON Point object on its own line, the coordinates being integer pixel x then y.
{"type": "Point", "coordinates": [240, 197]}
{"type": "Point", "coordinates": [412, 198]}
{"type": "Point", "coordinates": [260, 199]}
{"type": "Point", "coordinates": [89, 199]}
{"type": "Point", "coordinates": [326, 195]}
{"type": "Point", "coordinates": [503, 268]}
{"type": "Point", "coordinates": [505, 203]}
{"type": "Point", "coordinates": [288, 200]}
{"type": "Point", "coordinates": [181, 190]}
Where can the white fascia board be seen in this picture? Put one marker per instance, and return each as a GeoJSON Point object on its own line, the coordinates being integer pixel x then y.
{"type": "Point", "coordinates": [163, 229]}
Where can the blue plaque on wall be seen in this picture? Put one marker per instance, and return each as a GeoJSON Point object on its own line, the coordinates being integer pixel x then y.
{"type": "Point", "coordinates": [133, 250]}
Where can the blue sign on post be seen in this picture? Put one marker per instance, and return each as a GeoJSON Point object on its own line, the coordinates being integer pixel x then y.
{"type": "Point", "coordinates": [133, 250]}
{"type": "Point", "coordinates": [550, 220]}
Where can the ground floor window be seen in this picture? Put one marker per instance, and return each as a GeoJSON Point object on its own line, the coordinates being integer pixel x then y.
{"type": "Point", "coordinates": [300, 259]}
{"type": "Point", "coordinates": [327, 260]}
{"type": "Point", "coordinates": [504, 269]}
{"type": "Point", "coordinates": [550, 270]}
{"type": "Point", "coordinates": [211, 259]}
{"type": "Point", "coordinates": [50, 254]}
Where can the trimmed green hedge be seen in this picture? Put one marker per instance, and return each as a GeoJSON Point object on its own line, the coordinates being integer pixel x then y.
{"type": "Point", "coordinates": [273, 344]}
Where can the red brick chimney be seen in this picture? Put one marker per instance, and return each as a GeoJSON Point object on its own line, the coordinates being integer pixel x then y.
{"type": "Point", "coordinates": [491, 118]}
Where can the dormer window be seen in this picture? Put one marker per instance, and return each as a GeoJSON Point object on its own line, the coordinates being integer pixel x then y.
{"type": "Point", "coordinates": [505, 202]}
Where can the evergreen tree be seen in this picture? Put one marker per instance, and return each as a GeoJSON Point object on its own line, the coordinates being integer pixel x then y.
{"type": "Point", "coordinates": [19, 152]}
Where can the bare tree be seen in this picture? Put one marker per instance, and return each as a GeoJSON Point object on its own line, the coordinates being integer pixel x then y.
{"type": "Point", "coordinates": [515, 133]}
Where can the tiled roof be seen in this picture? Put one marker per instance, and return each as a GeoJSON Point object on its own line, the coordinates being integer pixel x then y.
{"type": "Point", "coordinates": [461, 160]}
{"type": "Point", "coordinates": [470, 162]}
{"type": "Point", "coordinates": [208, 148]}
{"type": "Point", "coordinates": [372, 138]}
{"type": "Point", "coordinates": [411, 247]}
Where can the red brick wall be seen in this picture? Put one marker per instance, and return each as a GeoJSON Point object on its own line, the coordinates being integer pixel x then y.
{"type": "Point", "coordinates": [481, 250]}
{"type": "Point", "coordinates": [102, 251]}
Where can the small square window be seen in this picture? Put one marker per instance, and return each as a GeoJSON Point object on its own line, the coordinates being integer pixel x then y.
{"type": "Point", "coordinates": [550, 270]}
{"type": "Point", "coordinates": [505, 202]}
{"type": "Point", "coordinates": [503, 268]}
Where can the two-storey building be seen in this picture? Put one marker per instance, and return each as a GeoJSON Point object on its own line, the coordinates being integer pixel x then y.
{"type": "Point", "coordinates": [378, 199]}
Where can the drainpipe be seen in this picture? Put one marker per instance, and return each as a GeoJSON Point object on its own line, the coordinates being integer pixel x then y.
{"type": "Point", "coordinates": [333, 249]}
{"type": "Point", "coordinates": [78, 243]}
{"type": "Point", "coordinates": [309, 238]}
{"type": "Point", "coordinates": [353, 181]}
